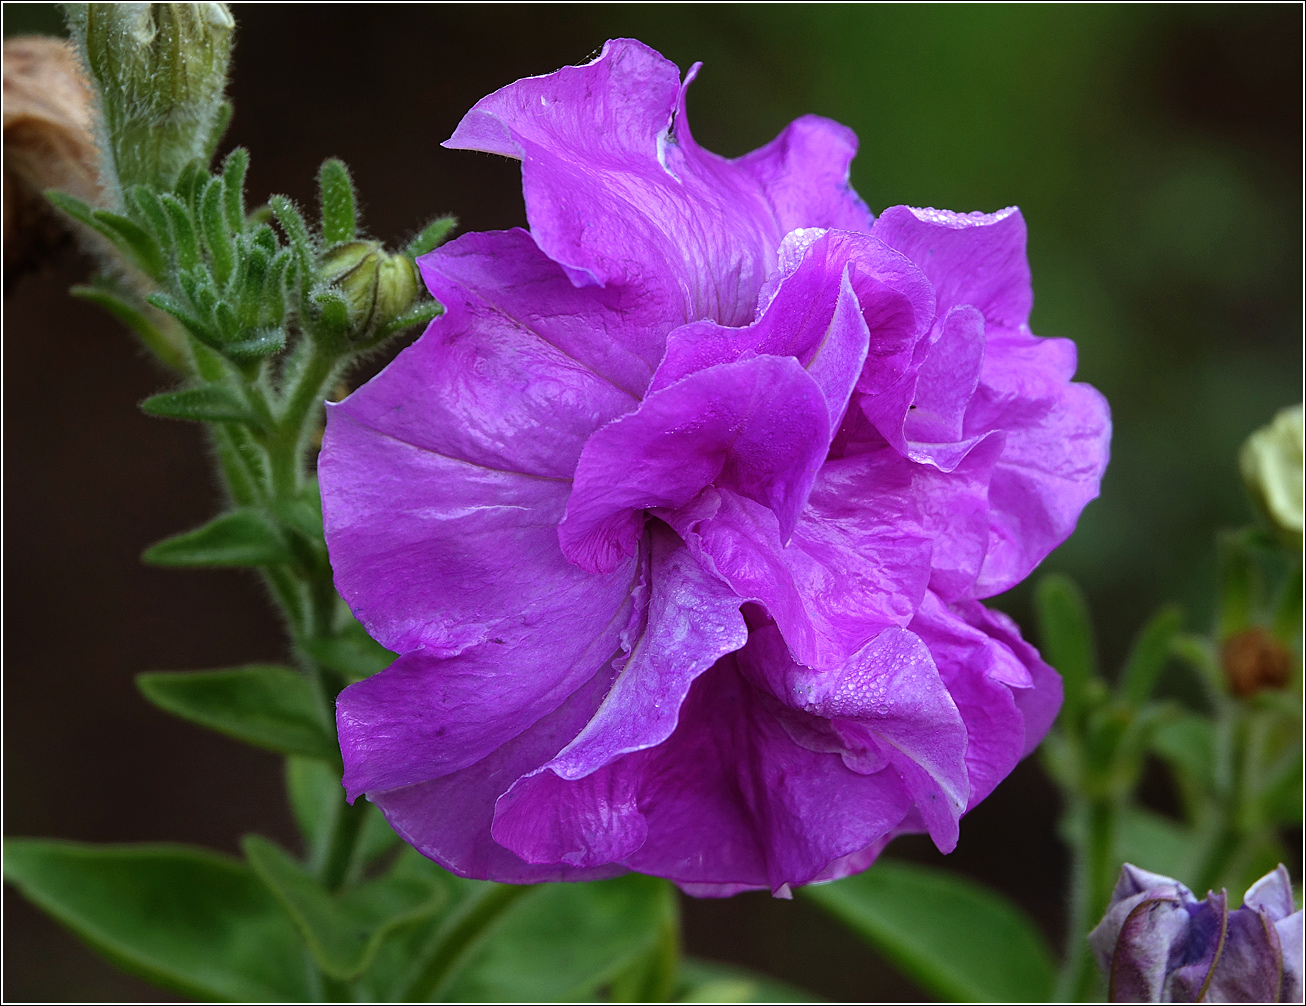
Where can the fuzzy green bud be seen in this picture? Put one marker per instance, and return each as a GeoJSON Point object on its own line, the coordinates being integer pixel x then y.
{"type": "Point", "coordinates": [377, 285]}
{"type": "Point", "coordinates": [160, 70]}
{"type": "Point", "coordinates": [1271, 464]}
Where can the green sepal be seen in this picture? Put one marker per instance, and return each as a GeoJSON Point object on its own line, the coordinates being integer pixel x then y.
{"type": "Point", "coordinates": [711, 982]}
{"type": "Point", "coordinates": [233, 188]}
{"type": "Point", "coordinates": [431, 236]}
{"type": "Point", "coordinates": [1067, 637]}
{"type": "Point", "coordinates": [190, 183]}
{"type": "Point", "coordinates": [339, 212]}
{"type": "Point", "coordinates": [210, 404]}
{"type": "Point", "coordinates": [184, 239]}
{"type": "Point", "coordinates": [343, 932]}
{"type": "Point", "coordinates": [221, 120]}
{"type": "Point", "coordinates": [169, 305]}
{"type": "Point", "coordinates": [217, 237]}
{"type": "Point", "coordinates": [421, 313]}
{"type": "Point", "coordinates": [262, 344]}
{"type": "Point", "coordinates": [352, 653]}
{"type": "Point", "coordinates": [153, 212]}
{"type": "Point", "coordinates": [958, 940]}
{"type": "Point", "coordinates": [139, 244]}
{"type": "Point", "coordinates": [250, 279]}
{"type": "Point", "coordinates": [135, 319]}
{"type": "Point", "coordinates": [1148, 656]}
{"type": "Point", "coordinates": [182, 918]}
{"type": "Point", "coordinates": [241, 537]}
{"type": "Point", "coordinates": [332, 313]}
{"type": "Point", "coordinates": [261, 704]}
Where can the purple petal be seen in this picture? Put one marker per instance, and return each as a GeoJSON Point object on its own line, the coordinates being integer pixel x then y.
{"type": "Point", "coordinates": [857, 562]}
{"type": "Point", "coordinates": [1047, 474]}
{"type": "Point", "coordinates": [1272, 894]}
{"type": "Point", "coordinates": [759, 427]}
{"type": "Point", "coordinates": [617, 192]}
{"type": "Point", "coordinates": [1196, 958]}
{"type": "Point", "coordinates": [814, 316]}
{"type": "Point", "coordinates": [971, 258]}
{"type": "Point", "coordinates": [569, 812]}
{"type": "Point", "coordinates": [506, 282]}
{"type": "Point", "coordinates": [886, 705]}
{"type": "Point", "coordinates": [1250, 967]}
{"type": "Point", "coordinates": [448, 819]}
{"type": "Point", "coordinates": [1292, 937]}
{"type": "Point", "coordinates": [1154, 928]}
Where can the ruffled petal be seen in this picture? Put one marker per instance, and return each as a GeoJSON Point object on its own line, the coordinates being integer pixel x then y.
{"type": "Point", "coordinates": [448, 819]}
{"type": "Point", "coordinates": [970, 258]}
{"type": "Point", "coordinates": [814, 316]}
{"type": "Point", "coordinates": [617, 192]}
{"type": "Point", "coordinates": [759, 427]}
{"type": "Point", "coordinates": [568, 811]}
{"type": "Point", "coordinates": [858, 561]}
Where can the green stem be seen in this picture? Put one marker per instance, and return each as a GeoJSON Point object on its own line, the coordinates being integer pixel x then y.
{"type": "Point", "coordinates": [286, 447]}
{"type": "Point", "coordinates": [459, 930]}
{"type": "Point", "coordinates": [341, 843]}
{"type": "Point", "coordinates": [1093, 876]}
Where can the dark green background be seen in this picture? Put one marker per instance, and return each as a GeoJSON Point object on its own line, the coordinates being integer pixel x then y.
{"type": "Point", "coordinates": [1155, 152]}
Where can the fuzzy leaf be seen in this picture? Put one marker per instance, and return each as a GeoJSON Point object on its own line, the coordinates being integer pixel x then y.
{"type": "Point", "coordinates": [182, 918]}
{"type": "Point", "coordinates": [339, 214]}
{"type": "Point", "coordinates": [184, 240]}
{"type": "Point", "coordinates": [432, 236]}
{"type": "Point", "coordinates": [133, 239]}
{"type": "Point", "coordinates": [958, 940]}
{"type": "Point", "coordinates": [233, 188]}
{"type": "Point", "coordinates": [238, 538]}
{"type": "Point", "coordinates": [217, 237]}
{"type": "Point", "coordinates": [210, 404]}
{"type": "Point", "coordinates": [261, 704]}
{"type": "Point", "coordinates": [263, 343]}
{"type": "Point", "coordinates": [135, 319]}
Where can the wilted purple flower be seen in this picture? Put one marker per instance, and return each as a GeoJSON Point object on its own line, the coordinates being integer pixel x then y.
{"type": "Point", "coordinates": [678, 517]}
{"type": "Point", "coordinates": [1158, 943]}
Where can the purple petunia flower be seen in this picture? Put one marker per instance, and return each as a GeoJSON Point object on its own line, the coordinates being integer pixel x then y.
{"type": "Point", "coordinates": [679, 516]}
{"type": "Point", "coordinates": [1158, 943]}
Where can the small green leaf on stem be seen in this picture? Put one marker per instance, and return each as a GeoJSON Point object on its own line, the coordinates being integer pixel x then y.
{"type": "Point", "coordinates": [261, 704]}
{"type": "Point", "coordinates": [183, 231]}
{"type": "Point", "coordinates": [1148, 656]}
{"type": "Point", "coordinates": [118, 305]}
{"type": "Point", "coordinates": [339, 213]}
{"type": "Point", "coordinates": [1067, 638]}
{"type": "Point", "coordinates": [352, 653]}
{"type": "Point", "coordinates": [431, 236]}
{"type": "Point", "coordinates": [189, 321]}
{"type": "Point", "coordinates": [233, 188]}
{"type": "Point", "coordinates": [239, 538]}
{"type": "Point", "coordinates": [210, 404]}
{"type": "Point", "coordinates": [217, 237]}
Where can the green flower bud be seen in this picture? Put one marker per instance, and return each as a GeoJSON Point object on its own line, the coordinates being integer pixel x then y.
{"type": "Point", "coordinates": [160, 70]}
{"type": "Point", "coordinates": [1271, 463]}
{"type": "Point", "coordinates": [377, 285]}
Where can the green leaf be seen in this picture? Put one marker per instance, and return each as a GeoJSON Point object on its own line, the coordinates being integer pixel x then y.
{"type": "Point", "coordinates": [182, 918]}
{"type": "Point", "coordinates": [1158, 844]}
{"type": "Point", "coordinates": [1187, 744]}
{"type": "Point", "coordinates": [432, 236]}
{"type": "Point", "coordinates": [421, 313]}
{"type": "Point", "coordinates": [332, 312]}
{"type": "Point", "coordinates": [339, 214]}
{"type": "Point", "coordinates": [313, 788]}
{"type": "Point", "coordinates": [261, 704]}
{"type": "Point", "coordinates": [708, 981]}
{"type": "Point", "coordinates": [343, 932]}
{"type": "Point", "coordinates": [132, 238]}
{"type": "Point", "coordinates": [152, 210]}
{"type": "Point", "coordinates": [352, 653]}
{"type": "Point", "coordinates": [263, 343]}
{"type": "Point", "coordinates": [210, 404]}
{"type": "Point", "coordinates": [189, 321]}
{"type": "Point", "coordinates": [121, 307]}
{"type": "Point", "coordinates": [561, 942]}
{"type": "Point", "coordinates": [1067, 638]}
{"type": "Point", "coordinates": [183, 231]}
{"type": "Point", "coordinates": [221, 120]}
{"type": "Point", "coordinates": [1148, 655]}
{"type": "Point", "coordinates": [233, 188]}
{"type": "Point", "coordinates": [238, 538]}
{"type": "Point", "coordinates": [958, 940]}
{"type": "Point", "coordinates": [217, 237]}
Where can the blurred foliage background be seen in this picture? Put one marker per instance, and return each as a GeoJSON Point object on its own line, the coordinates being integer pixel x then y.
{"type": "Point", "coordinates": [1156, 152]}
